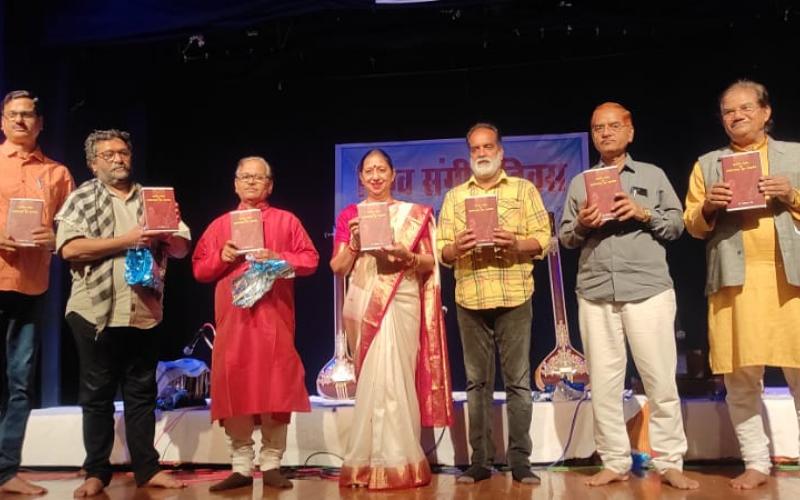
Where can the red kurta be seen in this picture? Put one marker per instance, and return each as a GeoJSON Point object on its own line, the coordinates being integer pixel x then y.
{"type": "Point", "coordinates": [255, 367]}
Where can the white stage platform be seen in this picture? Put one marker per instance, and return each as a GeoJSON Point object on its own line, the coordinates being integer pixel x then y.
{"type": "Point", "coordinates": [54, 435]}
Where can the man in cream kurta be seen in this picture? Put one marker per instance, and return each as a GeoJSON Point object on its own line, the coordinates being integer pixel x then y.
{"type": "Point", "coordinates": [753, 278]}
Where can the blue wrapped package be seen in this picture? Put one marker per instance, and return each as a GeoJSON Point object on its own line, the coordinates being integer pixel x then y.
{"type": "Point", "coordinates": [258, 280]}
{"type": "Point", "coordinates": [141, 269]}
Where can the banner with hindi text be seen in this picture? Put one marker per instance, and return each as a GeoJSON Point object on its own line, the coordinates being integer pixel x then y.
{"type": "Point", "coordinates": [427, 169]}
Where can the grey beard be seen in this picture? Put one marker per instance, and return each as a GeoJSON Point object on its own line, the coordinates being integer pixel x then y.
{"type": "Point", "coordinates": [482, 171]}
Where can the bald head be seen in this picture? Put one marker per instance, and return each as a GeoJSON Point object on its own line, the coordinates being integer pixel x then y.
{"type": "Point", "coordinates": [626, 116]}
{"type": "Point", "coordinates": [612, 131]}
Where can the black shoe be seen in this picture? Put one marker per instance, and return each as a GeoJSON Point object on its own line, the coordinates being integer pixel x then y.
{"type": "Point", "coordinates": [235, 480]}
{"type": "Point", "coordinates": [274, 479]}
{"type": "Point", "coordinates": [523, 474]}
{"type": "Point", "coordinates": [474, 474]}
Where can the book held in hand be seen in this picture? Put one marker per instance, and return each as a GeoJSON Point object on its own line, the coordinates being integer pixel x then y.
{"type": "Point", "coordinates": [24, 215]}
{"type": "Point", "coordinates": [247, 230]}
{"type": "Point", "coordinates": [742, 171]}
{"type": "Point", "coordinates": [601, 186]}
{"type": "Point", "coordinates": [374, 225]}
{"type": "Point", "coordinates": [481, 216]}
{"type": "Point", "coordinates": [160, 209]}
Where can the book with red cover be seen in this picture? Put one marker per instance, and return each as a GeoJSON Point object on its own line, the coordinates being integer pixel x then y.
{"type": "Point", "coordinates": [247, 230]}
{"type": "Point", "coordinates": [601, 186]}
{"type": "Point", "coordinates": [742, 171]}
{"type": "Point", "coordinates": [24, 215]}
{"type": "Point", "coordinates": [481, 216]}
{"type": "Point", "coordinates": [159, 208]}
{"type": "Point", "coordinates": [374, 225]}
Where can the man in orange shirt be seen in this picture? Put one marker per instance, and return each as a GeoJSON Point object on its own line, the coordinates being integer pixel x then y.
{"type": "Point", "coordinates": [25, 172]}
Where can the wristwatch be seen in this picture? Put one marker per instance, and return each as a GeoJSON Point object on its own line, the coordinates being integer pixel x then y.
{"type": "Point", "coordinates": [647, 215]}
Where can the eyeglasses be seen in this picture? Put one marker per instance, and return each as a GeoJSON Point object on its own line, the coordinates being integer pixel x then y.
{"type": "Point", "coordinates": [25, 115]}
{"type": "Point", "coordinates": [613, 127]}
{"type": "Point", "coordinates": [109, 155]}
{"type": "Point", "coordinates": [253, 178]}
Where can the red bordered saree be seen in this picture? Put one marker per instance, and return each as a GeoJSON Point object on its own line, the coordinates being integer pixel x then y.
{"type": "Point", "coordinates": [393, 318]}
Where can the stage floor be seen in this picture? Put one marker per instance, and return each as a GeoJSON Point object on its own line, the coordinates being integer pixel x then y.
{"type": "Point", "coordinates": [566, 485]}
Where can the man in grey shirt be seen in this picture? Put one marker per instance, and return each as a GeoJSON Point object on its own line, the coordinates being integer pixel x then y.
{"type": "Point", "coordinates": [625, 292]}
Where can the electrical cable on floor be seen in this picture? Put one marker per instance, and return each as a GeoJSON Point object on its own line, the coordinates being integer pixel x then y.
{"type": "Point", "coordinates": [571, 433]}
{"type": "Point", "coordinates": [307, 471]}
{"type": "Point", "coordinates": [168, 428]}
{"type": "Point", "coordinates": [437, 443]}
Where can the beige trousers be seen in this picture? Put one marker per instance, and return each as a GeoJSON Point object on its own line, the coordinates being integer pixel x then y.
{"type": "Point", "coordinates": [745, 385]}
{"type": "Point", "coordinates": [648, 326]}
{"type": "Point", "coordinates": [239, 430]}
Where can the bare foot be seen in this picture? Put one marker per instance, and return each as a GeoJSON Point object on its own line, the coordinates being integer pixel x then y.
{"type": "Point", "coordinates": [606, 476]}
{"type": "Point", "coordinates": [163, 479]}
{"type": "Point", "coordinates": [677, 479]}
{"type": "Point", "coordinates": [18, 485]}
{"type": "Point", "coordinates": [91, 486]}
{"type": "Point", "coordinates": [748, 480]}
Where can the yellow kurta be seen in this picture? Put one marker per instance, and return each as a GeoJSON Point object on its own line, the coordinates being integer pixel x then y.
{"type": "Point", "coordinates": [756, 323]}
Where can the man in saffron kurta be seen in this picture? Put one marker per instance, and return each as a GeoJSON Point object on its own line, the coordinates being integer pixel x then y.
{"type": "Point", "coordinates": [256, 373]}
{"type": "Point", "coordinates": [753, 279]}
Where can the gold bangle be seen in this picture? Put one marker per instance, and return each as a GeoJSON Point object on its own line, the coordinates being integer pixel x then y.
{"type": "Point", "coordinates": [351, 249]}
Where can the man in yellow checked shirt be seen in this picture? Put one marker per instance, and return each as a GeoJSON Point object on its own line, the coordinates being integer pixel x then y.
{"type": "Point", "coordinates": [753, 262]}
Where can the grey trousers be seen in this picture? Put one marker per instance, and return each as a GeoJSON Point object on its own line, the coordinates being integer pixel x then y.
{"type": "Point", "coordinates": [509, 328]}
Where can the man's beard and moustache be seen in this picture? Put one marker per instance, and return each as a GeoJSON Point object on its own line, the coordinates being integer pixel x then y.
{"type": "Point", "coordinates": [485, 168]}
{"type": "Point", "coordinates": [118, 175]}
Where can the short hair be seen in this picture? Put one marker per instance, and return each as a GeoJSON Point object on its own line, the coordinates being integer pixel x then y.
{"type": "Point", "coordinates": [259, 159]}
{"type": "Point", "coordinates": [762, 96]}
{"type": "Point", "coordinates": [90, 145]}
{"type": "Point", "coordinates": [486, 125]}
{"type": "Point", "coordinates": [23, 94]}
{"type": "Point", "coordinates": [626, 115]}
{"type": "Point", "coordinates": [375, 151]}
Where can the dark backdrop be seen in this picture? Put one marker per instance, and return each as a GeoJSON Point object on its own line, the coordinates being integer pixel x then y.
{"type": "Point", "coordinates": [290, 87]}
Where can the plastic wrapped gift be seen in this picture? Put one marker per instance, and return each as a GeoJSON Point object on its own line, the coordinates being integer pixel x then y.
{"type": "Point", "coordinates": [141, 269]}
{"type": "Point", "coordinates": [183, 382]}
{"type": "Point", "coordinates": [258, 280]}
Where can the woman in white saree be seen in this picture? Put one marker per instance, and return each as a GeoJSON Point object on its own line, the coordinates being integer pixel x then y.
{"type": "Point", "coordinates": [392, 316]}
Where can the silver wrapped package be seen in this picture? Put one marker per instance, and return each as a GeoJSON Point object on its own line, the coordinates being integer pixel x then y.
{"type": "Point", "coordinates": [258, 280]}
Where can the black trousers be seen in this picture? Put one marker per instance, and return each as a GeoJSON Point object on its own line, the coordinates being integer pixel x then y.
{"type": "Point", "coordinates": [125, 358]}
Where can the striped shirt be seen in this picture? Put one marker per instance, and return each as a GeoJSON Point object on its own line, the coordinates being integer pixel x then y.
{"type": "Point", "coordinates": [485, 278]}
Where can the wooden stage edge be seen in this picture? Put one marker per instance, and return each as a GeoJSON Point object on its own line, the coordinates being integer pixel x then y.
{"type": "Point", "coordinates": [556, 484]}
